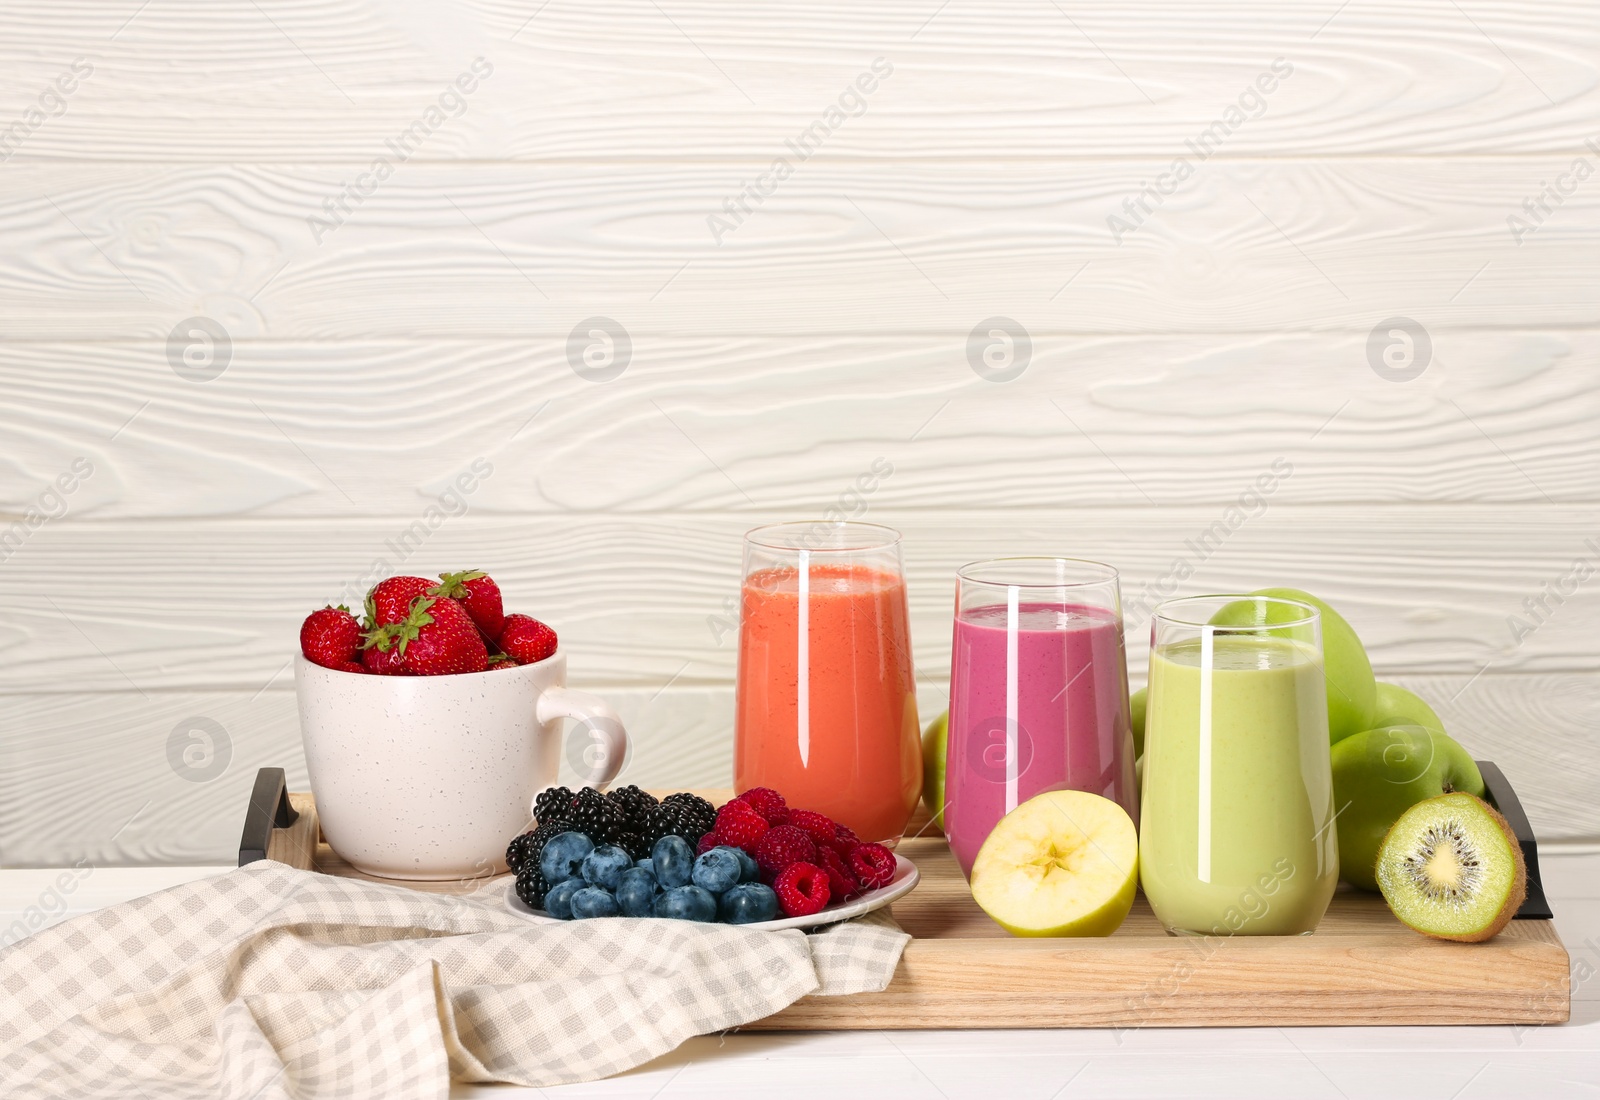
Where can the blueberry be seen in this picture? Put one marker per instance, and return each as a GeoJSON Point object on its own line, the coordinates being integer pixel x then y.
{"type": "Point", "coordinates": [687, 903]}
{"type": "Point", "coordinates": [717, 870]}
{"type": "Point", "coordinates": [558, 902]}
{"type": "Point", "coordinates": [636, 892]}
{"type": "Point", "coordinates": [593, 901]}
{"type": "Point", "coordinates": [604, 866]}
{"type": "Point", "coordinates": [749, 869]}
{"type": "Point", "coordinates": [673, 859]}
{"type": "Point", "coordinates": [563, 856]}
{"type": "Point", "coordinates": [748, 903]}
{"type": "Point", "coordinates": [648, 864]}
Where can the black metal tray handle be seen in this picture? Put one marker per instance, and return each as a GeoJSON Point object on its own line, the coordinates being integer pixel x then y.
{"type": "Point", "coordinates": [269, 809]}
{"type": "Point", "coordinates": [1503, 798]}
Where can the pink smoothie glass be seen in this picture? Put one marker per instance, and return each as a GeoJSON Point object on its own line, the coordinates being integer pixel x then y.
{"type": "Point", "coordinates": [1038, 692]}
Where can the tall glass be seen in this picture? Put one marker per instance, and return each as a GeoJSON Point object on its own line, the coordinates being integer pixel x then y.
{"type": "Point", "coordinates": [826, 708]}
{"type": "Point", "coordinates": [1038, 692]}
{"type": "Point", "coordinates": [1238, 791]}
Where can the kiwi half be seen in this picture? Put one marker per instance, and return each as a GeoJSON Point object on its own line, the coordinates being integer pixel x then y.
{"type": "Point", "coordinates": [1451, 868]}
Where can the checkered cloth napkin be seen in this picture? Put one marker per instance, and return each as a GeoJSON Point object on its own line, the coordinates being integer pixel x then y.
{"type": "Point", "coordinates": [270, 983]}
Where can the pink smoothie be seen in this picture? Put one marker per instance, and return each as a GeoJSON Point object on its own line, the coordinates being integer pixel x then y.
{"type": "Point", "coordinates": [1046, 710]}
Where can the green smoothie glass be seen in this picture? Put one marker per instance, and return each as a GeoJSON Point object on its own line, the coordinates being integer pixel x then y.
{"type": "Point", "coordinates": [1236, 835]}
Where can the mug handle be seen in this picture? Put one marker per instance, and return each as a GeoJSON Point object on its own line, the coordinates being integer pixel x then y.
{"type": "Point", "coordinates": [603, 757]}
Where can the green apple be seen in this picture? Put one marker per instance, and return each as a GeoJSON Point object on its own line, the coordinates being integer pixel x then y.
{"type": "Point", "coordinates": [1138, 702]}
{"type": "Point", "coordinates": [935, 750]}
{"type": "Point", "coordinates": [1352, 691]}
{"type": "Point", "coordinates": [1380, 774]}
{"type": "Point", "coordinates": [1064, 863]}
{"type": "Point", "coordinates": [1398, 707]}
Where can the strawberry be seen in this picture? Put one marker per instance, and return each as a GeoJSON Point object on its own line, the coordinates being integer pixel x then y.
{"type": "Point", "coordinates": [500, 660]}
{"type": "Point", "coordinates": [389, 601]}
{"type": "Point", "coordinates": [527, 639]}
{"type": "Point", "coordinates": [331, 637]}
{"type": "Point", "coordinates": [380, 655]}
{"type": "Point", "coordinates": [439, 639]}
{"type": "Point", "coordinates": [478, 596]}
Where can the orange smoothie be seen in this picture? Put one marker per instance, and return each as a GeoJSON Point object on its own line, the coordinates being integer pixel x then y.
{"type": "Point", "coordinates": [826, 708]}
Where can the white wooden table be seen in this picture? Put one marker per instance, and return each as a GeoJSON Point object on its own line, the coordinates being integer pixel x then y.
{"type": "Point", "coordinates": [1409, 1063]}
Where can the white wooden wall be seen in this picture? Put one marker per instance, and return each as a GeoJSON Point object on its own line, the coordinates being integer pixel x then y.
{"type": "Point", "coordinates": [373, 360]}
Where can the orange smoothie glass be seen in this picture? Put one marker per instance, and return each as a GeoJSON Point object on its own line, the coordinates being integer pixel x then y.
{"type": "Point", "coordinates": [826, 709]}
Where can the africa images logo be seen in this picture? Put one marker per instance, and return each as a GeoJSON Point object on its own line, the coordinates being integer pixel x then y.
{"type": "Point", "coordinates": [51, 103]}
{"type": "Point", "coordinates": [1249, 104]}
{"type": "Point", "coordinates": [851, 103]}
{"type": "Point", "coordinates": [449, 104]}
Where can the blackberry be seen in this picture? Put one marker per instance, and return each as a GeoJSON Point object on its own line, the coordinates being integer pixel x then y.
{"type": "Point", "coordinates": [675, 820]}
{"type": "Point", "coordinates": [633, 804]}
{"type": "Point", "coordinates": [532, 887]}
{"type": "Point", "coordinates": [553, 804]}
{"type": "Point", "coordinates": [699, 807]}
{"type": "Point", "coordinates": [517, 851]}
{"type": "Point", "coordinates": [693, 801]}
{"type": "Point", "coordinates": [526, 849]}
{"type": "Point", "coordinates": [634, 844]}
{"type": "Point", "coordinates": [592, 817]}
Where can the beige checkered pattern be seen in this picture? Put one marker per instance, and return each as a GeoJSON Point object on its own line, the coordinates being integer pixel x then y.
{"type": "Point", "coordinates": [269, 983]}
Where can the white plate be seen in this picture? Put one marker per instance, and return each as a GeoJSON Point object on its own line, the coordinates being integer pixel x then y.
{"type": "Point", "coordinates": [905, 877]}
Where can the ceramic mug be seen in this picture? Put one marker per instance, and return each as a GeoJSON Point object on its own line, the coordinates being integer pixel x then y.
{"type": "Point", "coordinates": [429, 777]}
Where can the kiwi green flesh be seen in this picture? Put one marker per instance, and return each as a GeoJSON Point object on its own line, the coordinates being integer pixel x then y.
{"type": "Point", "coordinates": [1451, 868]}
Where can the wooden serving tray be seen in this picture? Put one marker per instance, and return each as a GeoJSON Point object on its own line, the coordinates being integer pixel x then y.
{"type": "Point", "coordinates": [961, 970]}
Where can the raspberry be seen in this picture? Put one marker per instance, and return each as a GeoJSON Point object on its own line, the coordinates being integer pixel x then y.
{"type": "Point", "coordinates": [843, 841]}
{"type": "Point", "coordinates": [802, 889]}
{"type": "Point", "coordinates": [818, 826]}
{"type": "Point", "coordinates": [740, 825]}
{"type": "Point", "coordinates": [783, 845]}
{"type": "Point", "coordinates": [841, 880]}
{"type": "Point", "coordinates": [768, 803]}
{"type": "Point", "coordinates": [873, 865]}
{"type": "Point", "coordinates": [707, 842]}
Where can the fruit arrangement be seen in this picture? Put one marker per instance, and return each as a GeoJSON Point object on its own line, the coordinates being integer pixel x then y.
{"type": "Point", "coordinates": [626, 854]}
{"type": "Point", "coordinates": [1411, 823]}
{"type": "Point", "coordinates": [414, 626]}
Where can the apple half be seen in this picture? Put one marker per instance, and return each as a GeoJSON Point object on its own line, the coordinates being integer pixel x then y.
{"type": "Point", "coordinates": [1064, 863]}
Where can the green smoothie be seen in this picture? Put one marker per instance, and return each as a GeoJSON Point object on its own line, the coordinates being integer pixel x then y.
{"type": "Point", "coordinates": [1236, 833]}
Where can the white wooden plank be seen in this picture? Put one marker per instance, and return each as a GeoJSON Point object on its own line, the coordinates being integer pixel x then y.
{"type": "Point", "coordinates": [778, 426]}
{"type": "Point", "coordinates": [77, 768]}
{"type": "Point", "coordinates": [645, 600]}
{"type": "Point", "coordinates": [120, 251]}
{"type": "Point", "coordinates": [332, 80]}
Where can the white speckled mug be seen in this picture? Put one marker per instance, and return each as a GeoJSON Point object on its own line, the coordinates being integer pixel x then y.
{"type": "Point", "coordinates": [429, 777]}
